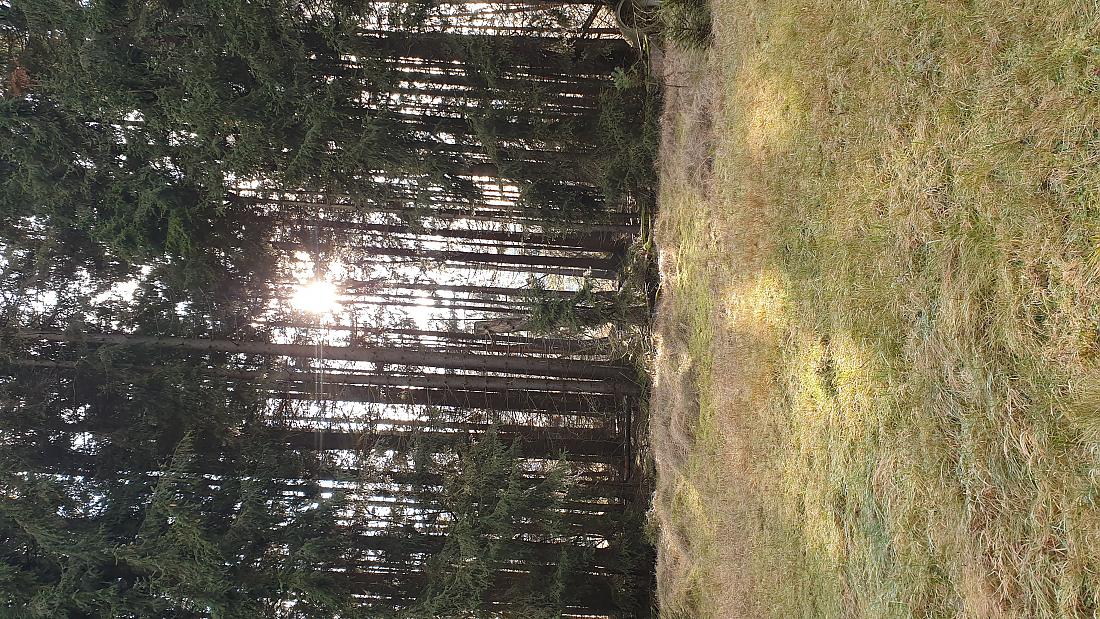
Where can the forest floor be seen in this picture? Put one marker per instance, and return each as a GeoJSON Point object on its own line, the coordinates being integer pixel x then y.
{"type": "Point", "coordinates": [877, 383]}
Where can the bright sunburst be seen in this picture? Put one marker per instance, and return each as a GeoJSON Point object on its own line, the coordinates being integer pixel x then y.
{"type": "Point", "coordinates": [316, 297]}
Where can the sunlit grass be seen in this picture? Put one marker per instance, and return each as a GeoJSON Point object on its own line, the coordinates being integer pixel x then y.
{"type": "Point", "coordinates": [886, 287]}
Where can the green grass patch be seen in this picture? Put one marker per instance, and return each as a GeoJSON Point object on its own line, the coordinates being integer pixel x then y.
{"type": "Point", "coordinates": [889, 285]}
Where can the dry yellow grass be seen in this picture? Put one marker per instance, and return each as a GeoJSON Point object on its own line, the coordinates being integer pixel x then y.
{"type": "Point", "coordinates": [878, 382]}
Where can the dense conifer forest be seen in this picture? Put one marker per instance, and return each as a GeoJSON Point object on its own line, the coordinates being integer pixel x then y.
{"type": "Point", "coordinates": [321, 308]}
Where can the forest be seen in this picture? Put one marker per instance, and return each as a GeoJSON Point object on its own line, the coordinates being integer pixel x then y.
{"type": "Point", "coordinates": [323, 308]}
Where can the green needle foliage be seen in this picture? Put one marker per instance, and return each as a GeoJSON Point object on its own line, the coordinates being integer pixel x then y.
{"type": "Point", "coordinates": [195, 546]}
{"type": "Point", "coordinates": [583, 309]}
{"type": "Point", "coordinates": [495, 512]}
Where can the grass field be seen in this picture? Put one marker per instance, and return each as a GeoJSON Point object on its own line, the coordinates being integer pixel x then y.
{"type": "Point", "coordinates": [877, 391]}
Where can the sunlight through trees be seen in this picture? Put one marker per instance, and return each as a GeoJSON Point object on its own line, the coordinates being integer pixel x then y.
{"type": "Point", "coordinates": [321, 309]}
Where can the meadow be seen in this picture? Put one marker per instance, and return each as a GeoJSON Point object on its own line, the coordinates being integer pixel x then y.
{"type": "Point", "coordinates": [877, 380]}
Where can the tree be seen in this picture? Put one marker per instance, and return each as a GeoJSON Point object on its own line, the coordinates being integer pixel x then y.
{"type": "Point", "coordinates": [487, 499]}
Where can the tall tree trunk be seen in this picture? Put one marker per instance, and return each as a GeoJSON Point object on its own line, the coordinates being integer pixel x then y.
{"type": "Point", "coordinates": [486, 363]}
{"type": "Point", "coordinates": [580, 445]}
{"type": "Point", "coordinates": [510, 400]}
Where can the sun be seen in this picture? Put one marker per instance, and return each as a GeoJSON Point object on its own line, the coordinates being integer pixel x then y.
{"type": "Point", "coordinates": [316, 297]}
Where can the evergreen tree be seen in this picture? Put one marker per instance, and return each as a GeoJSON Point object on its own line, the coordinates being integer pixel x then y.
{"type": "Point", "coordinates": [507, 551]}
